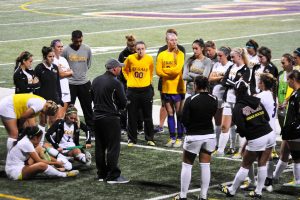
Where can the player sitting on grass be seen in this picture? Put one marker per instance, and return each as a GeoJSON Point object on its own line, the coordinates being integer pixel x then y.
{"type": "Point", "coordinates": [64, 136]}
{"type": "Point", "coordinates": [23, 162]}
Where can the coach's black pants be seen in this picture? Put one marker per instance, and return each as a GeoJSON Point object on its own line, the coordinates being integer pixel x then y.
{"type": "Point", "coordinates": [83, 92]}
{"type": "Point", "coordinates": [107, 147]}
{"type": "Point", "coordinates": [140, 99]}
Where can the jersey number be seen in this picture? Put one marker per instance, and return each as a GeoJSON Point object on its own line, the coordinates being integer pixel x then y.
{"type": "Point", "coordinates": [138, 74]}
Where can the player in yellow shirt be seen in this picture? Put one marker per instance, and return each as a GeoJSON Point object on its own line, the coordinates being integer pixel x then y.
{"type": "Point", "coordinates": [169, 67]}
{"type": "Point", "coordinates": [138, 71]}
{"type": "Point", "coordinates": [16, 109]}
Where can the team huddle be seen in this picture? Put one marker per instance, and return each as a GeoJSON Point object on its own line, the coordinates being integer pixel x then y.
{"type": "Point", "coordinates": [216, 96]}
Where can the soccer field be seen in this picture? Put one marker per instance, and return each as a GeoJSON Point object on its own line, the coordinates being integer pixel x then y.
{"type": "Point", "coordinates": [154, 173]}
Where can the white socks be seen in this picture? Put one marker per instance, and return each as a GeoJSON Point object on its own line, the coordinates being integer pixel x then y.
{"type": "Point", "coordinates": [186, 173]}
{"type": "Point", "coordinates": [218, 132]}
{"type": "Point", "coordinates": [205, 179]}
{"type": "Point", "coordinates": [279, 169]}
{"type": "Point", "coordinates": [223, 141]}
{"type": "Point", "coordinates": [43, 128]}
{"type": "Point", "coordinates": [81, 157]}
{"type": "Point", "coordinates": [60, 157]}
{"type": "Point", "coordinates": [51, 171]}
{"type": "Point", "coordinates": [238, 179]}
{"type": "Point", "coordinates": [261, 177]}
{"type": "Point", "coordinates": [297, 172]}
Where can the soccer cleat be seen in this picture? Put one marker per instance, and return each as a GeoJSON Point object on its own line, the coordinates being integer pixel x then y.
{"type": "Point", "coordinates": [150, 143]}
{"type": "Point", "coordinates": [130, 143]}
{"type": "Point", "coordinates": [254, 195]}
{"type": "Point", "coordinates": [72, 173]}
{"type": "Point", "coordinates": [247, 184]}
{"type": "Point", "coordinates": [268, 184]}
{"type": "Point", "coordinates": [230, 151]}
{"type": "Point", "coordinates": [292, 184]}
{"type": "Point", "coordinates": [237, 156]}
{"type": "Point", "coordinates": [88, 158]}
{"type": "Point", "coordinates": [118, 180]}
{"type": "Point", "coordinates": [274, 155]}
{"type": "Point", "coordinates": [177, 197]}
{"type": "Point", "coordinates": [224, 189]}
{"type": "Point", "coordinates": [217, 154]}
{"type": "Point", "coordinates": [159, 129]}
{"type": "Point", "coordinates": [170, 143]}
{"type": "Point", "coordinates": [178, 143]}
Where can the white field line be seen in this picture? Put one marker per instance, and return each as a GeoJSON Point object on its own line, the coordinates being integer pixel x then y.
{"type": "Point", "coordinates": [189, 191]}
{"type": "Point", "coordinates": [118, 30]}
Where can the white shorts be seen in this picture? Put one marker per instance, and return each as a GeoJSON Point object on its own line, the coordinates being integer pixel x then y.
{"type": "Point", "coordinates": [7, 110]}
{"type": "Point", "coordinates": [66, 97]}
{"type": "Point", "coordinates": [228, 108]}
{"type": "Point", "coordinates": [262, 143]}
{"type": "Point", "coordinates": [14, 172]}
{"type": "Point", "coordinates": [195, 146]}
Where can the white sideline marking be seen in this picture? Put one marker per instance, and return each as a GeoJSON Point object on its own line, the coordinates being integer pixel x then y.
{"type": "Point", "coordinates": [189, 191]}
{"type": "Point", "coordinates": [118, 30]}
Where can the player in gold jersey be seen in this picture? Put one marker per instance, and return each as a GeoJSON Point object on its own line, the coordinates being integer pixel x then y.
{"type": "Point", "coordinates": [169, 67]}
{"type": "Point", "coordinates": [138, 71]}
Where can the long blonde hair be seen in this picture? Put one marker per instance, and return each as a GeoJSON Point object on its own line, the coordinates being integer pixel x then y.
{"type": "Point", "coordinates": [242, 53]}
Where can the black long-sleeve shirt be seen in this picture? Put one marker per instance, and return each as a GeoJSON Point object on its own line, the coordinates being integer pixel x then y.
{"type": "Point", "coordinates": [250, 117]}
{"type": "Point", "coordinates": [56, 132]}
{"type": "Point", "coordinates": [108, 96]}
{"type": "Point", "coordinates": [50, 83]}
{"type": "Point", "coordinates": [198, 112]}
{"type": "Point", "coordinates": [291, 127]}
{"type": "Point", "coordinates": [21, 82]}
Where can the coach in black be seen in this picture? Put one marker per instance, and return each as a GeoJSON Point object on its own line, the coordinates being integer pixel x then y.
{"type": "Point", "coordinates": [109, 98]}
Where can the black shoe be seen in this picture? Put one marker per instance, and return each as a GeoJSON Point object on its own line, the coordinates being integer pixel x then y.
{"type": "Point", "coordinates": [254, 195]}
{"type": "Point", "coordinates": [224, 189]}
{"type": "Point", "coordinates": [118, 180]}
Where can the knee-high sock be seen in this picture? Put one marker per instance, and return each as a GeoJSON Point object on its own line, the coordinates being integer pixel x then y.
{"type": "Point", "coordinates": [171, 126]}
{"type": "Point", "coordinates": [279, 169]}
{"type": "Point", "coordinates": [81, 157]}
{"type": "Point", "coordinates": [232, 137]}
{"type": "Point", "coordinates": [205, 179]}
{"type": "Point", "coordinates": [261, 177]}
{"type": "Point", "coordinates": [242, 141]}
{"type": "Point", "coordinates": [297, 172]}
{"type": "Point", "coordinates": [51, 171]}
{"type": "Point", "coordinates": [218, 132]}
{"type": "Point", "coordinates": [270, 168]}
{"type": "Point", "coordinates": [180, 127]}
{"type": "Point", "coordinates": [251, 174]}
{"type": "Point", "coordinates": [186, 173]}
{"type": "Point", "coordinates": [43, 128]}
{"type": "Point", "coordinates": [238, 179]}
{"type": "Point", "coordinates": [223, 141]}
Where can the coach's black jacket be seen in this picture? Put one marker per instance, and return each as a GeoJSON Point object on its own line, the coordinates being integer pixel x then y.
{"type": "Point", "coordinates": [250, 117]}
{"type": "Point", "coordinates": [56, 132]}
{"type": "Point", "coordinates": [228, 83]}
{"type": "Point", "coordinates": [21, 82]}
{"type": "Point", "coordinates": [291, 127]}
{"type": "Point", "coordinates": [270, 68]}
{"type": "Point", "coordinates": [108, 96]}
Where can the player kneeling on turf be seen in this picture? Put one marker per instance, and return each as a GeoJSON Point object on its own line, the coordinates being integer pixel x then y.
{"type": "Point", "coordinates": [23, 161]}
{"type": "Point", "coordinates": [64, 137]}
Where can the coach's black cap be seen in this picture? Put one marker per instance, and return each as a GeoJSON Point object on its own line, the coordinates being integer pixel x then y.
{"type": "Point", "coordinates": [112, 63]}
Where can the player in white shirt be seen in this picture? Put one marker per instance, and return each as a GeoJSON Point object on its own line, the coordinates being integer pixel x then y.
{"type": "Point", "coordinates": [239, 70]}
{"type": "Point", "coordinates": [215, 78]}
{"type": "Point", "coordinates": [64, 73]}
{"type": "Point", "coordinates": [251, 47]}
{"type": "Point", "coordinates": [23, 162]}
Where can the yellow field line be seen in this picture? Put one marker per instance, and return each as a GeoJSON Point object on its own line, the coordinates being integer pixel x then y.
{"type": "Point", "coordinates": [24, 7]}
{"type": "Point", "coordinates": [6, 196]}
